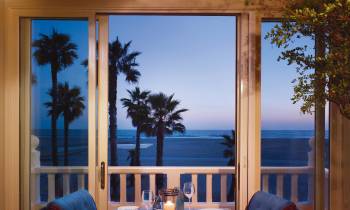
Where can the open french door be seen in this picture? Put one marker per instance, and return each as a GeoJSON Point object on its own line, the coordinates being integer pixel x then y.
{"type": "Point", "coordinates": [103, 186]}
{"type": "Point", "coordinates": [58, 148]}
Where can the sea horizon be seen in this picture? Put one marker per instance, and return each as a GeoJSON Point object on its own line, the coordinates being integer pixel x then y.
{"type": "Point", "coordinates": [198, 133]}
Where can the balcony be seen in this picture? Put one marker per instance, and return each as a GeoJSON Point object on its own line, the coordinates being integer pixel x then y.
{"type": "Point", "coordinates": [173, 175]}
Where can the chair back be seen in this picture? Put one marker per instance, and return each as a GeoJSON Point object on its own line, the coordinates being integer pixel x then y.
{"type": "Point", "coordinates": [266, 201]}
{"type": "Point", "coordinates": [75, 201]}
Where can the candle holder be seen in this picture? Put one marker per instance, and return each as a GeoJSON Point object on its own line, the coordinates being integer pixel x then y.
{"type": "Point", "coordinates": [169, 197]}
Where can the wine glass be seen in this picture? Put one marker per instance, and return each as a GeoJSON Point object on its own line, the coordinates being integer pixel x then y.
{"type": "Point", "coordinates": [147, 198]}
{"type": "Point", "coordinates": [158, 203]}
{"type": "Point", "coordinates": [189, 190]}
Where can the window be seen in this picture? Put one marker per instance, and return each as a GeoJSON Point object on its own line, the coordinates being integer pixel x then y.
{"type": "Point", "coordinates": [287, 144]}
{"type": "Point", "coordinates": [187, 61]}
{"type": "Point", "coordinates": [58, 106]}
{"type": "Point", "coordinates": [190, 60]}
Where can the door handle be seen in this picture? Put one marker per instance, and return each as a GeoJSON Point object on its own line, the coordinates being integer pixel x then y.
{"type": "Point", "coordinates": [103, 174]}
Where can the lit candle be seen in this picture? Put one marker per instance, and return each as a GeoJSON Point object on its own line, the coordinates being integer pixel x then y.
{"type": "Point", "coordinates": [169, 206]}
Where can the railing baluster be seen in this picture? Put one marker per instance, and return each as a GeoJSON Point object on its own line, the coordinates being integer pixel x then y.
{"type": "Point", "coordinates": [35, 188]}
{"type": "Point", "coordinates": [137, 188]}
{"type": "Point", "coordinates": [223, 191]}
{"type": "Point", "coordinates": [279, 190]}
{"type": "Point", "coordinates": [51, 187]}
{"type": "Point", "coordinates": [195, 183]}
{"type": "Point", "coordinates": [266, 182]}
{"type": "Point", "coordinates": [109, 187]}
{"type": "Point", "coordinates": [294, 186]}
{"type": "Point", "coordinates": [152, 182]}
{"type": "Point", "coordinates": [209, 188]}
{"type": "Point", "coordinates": [122, 188]}
{"type": "Point", "coordinates": [66, 184]}
{"type": "Point", "coordinates": [310, 189]}
{"type": "Point", "coordinates": [173, 179]}
{"type": "Point", "coordinates": [81, 181]}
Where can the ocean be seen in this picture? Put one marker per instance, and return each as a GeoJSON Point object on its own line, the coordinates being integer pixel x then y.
{"type": "Point", "coordinates": [194, 148]}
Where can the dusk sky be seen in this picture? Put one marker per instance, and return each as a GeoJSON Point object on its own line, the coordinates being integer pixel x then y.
{"type": "Point", "coordinates": [193, 57]}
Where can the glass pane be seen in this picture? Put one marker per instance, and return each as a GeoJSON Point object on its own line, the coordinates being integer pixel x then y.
{"type": "Point", "coordinates": [59, 108]}
{"type": "Point", "coordinates": [287, 134]}
{"type": "Point", "coordinates": [160, 65]}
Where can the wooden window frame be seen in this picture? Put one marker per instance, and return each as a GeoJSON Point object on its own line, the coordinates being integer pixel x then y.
{"type": "Point", "coordinates": [247, 79]}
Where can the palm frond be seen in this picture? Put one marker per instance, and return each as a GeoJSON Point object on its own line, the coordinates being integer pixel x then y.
{"type": "Point", "coordinates": [55, 49]}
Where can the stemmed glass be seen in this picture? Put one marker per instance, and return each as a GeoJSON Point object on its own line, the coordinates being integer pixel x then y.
{"type": "Point", "coordinates": [158, 203]}
{"type": "Point", "coordinates": [147, 198]}
{"type": "Point", "coordinates": [189, 190]}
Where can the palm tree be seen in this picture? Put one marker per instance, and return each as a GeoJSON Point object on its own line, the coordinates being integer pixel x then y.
{"type": "Point", "coordinates": [121, 61]}
{"type": "Point", "coordinates": [59, 52]}
{"type": "Point", "coordinates": [70, 105]}
{"type": "Point", "coordinates": [138, 110]}
{"type": "Point", "coordinates": [165, 119]}
{"type": "Point", "coordinates": [229, 152]}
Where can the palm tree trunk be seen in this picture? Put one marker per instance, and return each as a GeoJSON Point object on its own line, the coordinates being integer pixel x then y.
{"type": "Point", "coordinates": [54, 117]}
{"type": "Point", "coordinates": [159, 161]}
{"type": "Point", "coordinates": [160, 144]}
{"type": "Point", "coordinates": [112, 110]}
{"type": "Point", "coordinates": [138, 142]}
{"type": "Point", "coordinates": [66, 130]}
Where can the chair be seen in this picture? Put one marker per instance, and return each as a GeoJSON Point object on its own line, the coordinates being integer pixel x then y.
{"type": "Point", "coordinates": [266, 201]}
{"type": "Point", "coordinates": [75, 201]}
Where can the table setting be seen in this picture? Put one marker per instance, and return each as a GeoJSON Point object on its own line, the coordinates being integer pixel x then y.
{"type": "Point", "coordinates": [167, 199]}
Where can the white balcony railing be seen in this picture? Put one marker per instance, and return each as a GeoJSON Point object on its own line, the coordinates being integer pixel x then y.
{"type": "Point", "coordinates": [172, 175]}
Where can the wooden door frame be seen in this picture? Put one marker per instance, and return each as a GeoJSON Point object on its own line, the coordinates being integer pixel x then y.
{"type": "Point", "coordinates": [13, 104]}
{"type": "Point", "coordinates": [247, 85]}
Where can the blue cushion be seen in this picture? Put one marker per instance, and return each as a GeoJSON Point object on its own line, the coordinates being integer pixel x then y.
{"type": "Point", "coordinates": [265, 201]}
{"type": "Point", "coordinates": [80, 200]}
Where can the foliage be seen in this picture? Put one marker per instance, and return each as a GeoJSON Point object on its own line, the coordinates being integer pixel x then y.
{"type": "Point", "coordinates": [164, 115]}
{"type": "Point", "coordinates": [229, 152]}
{"type": "Point", "coordinates": [70, 102]}
{"type": "Point", "coordinates": [323, 75]}
{"type": "Point", "coordinates": [137, 107]}
{"type": "Point", "coordinates": [122, 61]}
{"type": "Point", "coordinates": [55, 49]}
